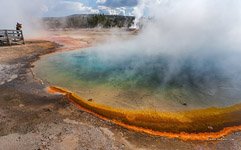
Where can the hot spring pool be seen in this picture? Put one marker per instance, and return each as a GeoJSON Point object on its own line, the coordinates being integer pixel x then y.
{"type": "Point", "coordinates": [140, 82]}
{"type": "Point", "coordinates": [149, 83]}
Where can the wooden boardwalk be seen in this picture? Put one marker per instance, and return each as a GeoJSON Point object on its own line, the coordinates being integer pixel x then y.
{"type": "Point", "coordinates": [11, 37]}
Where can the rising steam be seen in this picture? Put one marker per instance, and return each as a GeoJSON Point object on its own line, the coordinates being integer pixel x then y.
{"type": "Point", "coordinates": [23, 11]}
{"type": "Point", "coordinates": [191, 44]}
{"type": "Point", "coordinates": [142, 9]}
{"type": "Point", "coordinates": [188, 55]}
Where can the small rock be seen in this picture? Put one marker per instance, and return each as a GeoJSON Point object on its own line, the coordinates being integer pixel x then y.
{"type": "Point", "coordinates": [210, 127]}
{"type": "Point", "coordinates": [90, 100]}
{"type": "Point", "coordinates": [44, 143]}
{"type": "Point", "coordinates": [66, 129]}
{"type": "Point", "coordinates": [12, 77]}
{"type": "Point", "coordinates": [48, 109]}
{"type": "Point", "coordinates": [21, 105]}
{"type": "Point", "coordinates": [51, 137]}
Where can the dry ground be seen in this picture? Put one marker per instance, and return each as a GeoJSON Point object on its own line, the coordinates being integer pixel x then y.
{"type": "Point", "coordinates": [32, 119]}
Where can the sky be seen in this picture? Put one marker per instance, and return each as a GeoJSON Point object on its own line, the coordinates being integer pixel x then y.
{"type": "Point", "coordinates": [28, 12]}
{"type": "Point", "coordinates": [69, 7]}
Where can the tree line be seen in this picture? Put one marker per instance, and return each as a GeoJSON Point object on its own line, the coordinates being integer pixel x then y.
{"type": "Point", "coordinates": [89, 21]}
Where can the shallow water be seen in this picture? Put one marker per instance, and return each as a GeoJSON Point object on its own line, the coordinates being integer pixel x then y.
{"type": "Point", "coordinates": [153, 82]}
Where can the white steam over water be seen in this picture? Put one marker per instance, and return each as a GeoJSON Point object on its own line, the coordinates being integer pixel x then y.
{"type": "Point", "coordinates": [183, 24]}
{"type": "Point", "coordinates": [185, 27]}
{"type": "Point", "coordinates": [201, 40]}
{"type": "Point", "coordinates": [188, 53]}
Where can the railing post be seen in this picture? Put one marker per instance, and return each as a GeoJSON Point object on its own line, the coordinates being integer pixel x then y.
{"type": "Point", "coordinates": [22, 36]}
{"type": "Point", "coordinates": [8, 40]}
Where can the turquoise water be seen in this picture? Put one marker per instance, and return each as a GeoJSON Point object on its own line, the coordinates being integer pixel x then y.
{"type": "Point", "coordinates": [145, 81]}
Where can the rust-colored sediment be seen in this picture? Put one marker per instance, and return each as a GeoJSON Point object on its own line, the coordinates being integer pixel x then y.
{"type": "Point", "coordinates": [203, 124]}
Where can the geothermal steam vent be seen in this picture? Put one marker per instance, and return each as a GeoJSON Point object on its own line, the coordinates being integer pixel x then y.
{"type": "Point", "coordinates": [180, 74]}
{"type": "Point", "coordinates": [158, 92]}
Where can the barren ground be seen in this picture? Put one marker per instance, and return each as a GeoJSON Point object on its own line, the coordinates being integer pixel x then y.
{"type": "Point", "coordinates": [30, 118]}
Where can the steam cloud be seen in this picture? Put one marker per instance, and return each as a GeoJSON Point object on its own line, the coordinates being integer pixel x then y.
{"type": "Point", "coordinates": [193, 44]}
{"type": "Point", "coordinates": [23, 11]}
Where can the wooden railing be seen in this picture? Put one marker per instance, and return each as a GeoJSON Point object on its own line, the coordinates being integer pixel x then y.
{"type": "Point", "coordinates": [11, 37]}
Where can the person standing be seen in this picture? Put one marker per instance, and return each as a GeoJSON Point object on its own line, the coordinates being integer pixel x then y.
{"type": "Point", "coordinates": [18, 26]}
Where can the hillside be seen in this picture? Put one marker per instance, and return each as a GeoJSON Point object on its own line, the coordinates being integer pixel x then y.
{"type": "Point", "coordinates": [88, 21]}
